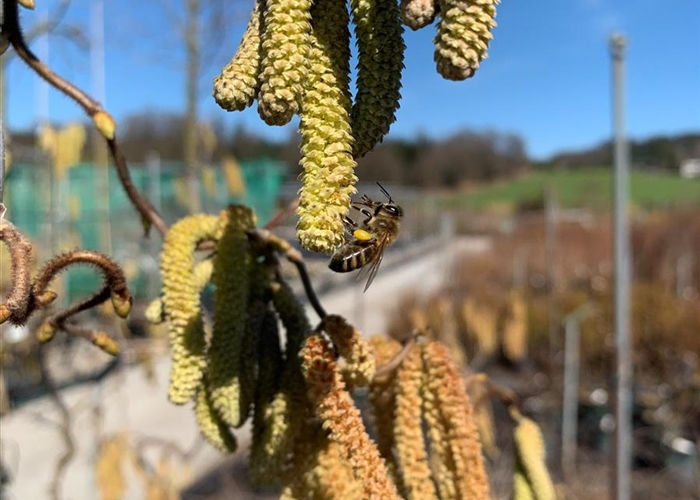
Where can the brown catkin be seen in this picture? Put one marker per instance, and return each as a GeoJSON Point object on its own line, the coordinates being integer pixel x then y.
{"type": "Point", "coordinates": [382, 398]}
{"type": "Point", "coordinates": [335, 407]}
{"type": "Point", "coordinates": [417, 482]}
{"type": "Point", "coordinates": [456, 412]}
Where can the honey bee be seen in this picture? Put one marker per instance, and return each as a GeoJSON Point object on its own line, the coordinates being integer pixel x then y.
{"type": "Point", "coordinates": [366, 242]}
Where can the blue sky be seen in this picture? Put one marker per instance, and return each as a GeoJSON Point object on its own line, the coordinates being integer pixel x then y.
{"type": "Point", "coordinates": [547, 77]}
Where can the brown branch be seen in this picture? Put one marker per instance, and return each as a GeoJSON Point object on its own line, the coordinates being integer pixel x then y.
{"type": "Point", "coordinates": [59, 322]}
{"type": "Point", "coordinates": [506, 395]}
{"type": "Point", "coordinates": [148, 212]}
{"type": "Point", "coordinates": [12, 30]}
{"type": "Point", "coordinates": [283, 214]}
{"type": "Point", "coordinates": [16, 307]}
{"type": "Point", "coordinates": [395, 362]}
{"type": "Point", "coordinates": [112, 273]}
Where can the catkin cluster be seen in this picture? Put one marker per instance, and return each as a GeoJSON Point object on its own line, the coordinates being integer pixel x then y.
{"type": "Point", "coordinates": [427, 445]}
{"type": "Point", "coordinates": [308, 434]}
{"type": "Point", "coordinates": [294, 58]}
{"type": "Point", "coordinates": [219, 372]}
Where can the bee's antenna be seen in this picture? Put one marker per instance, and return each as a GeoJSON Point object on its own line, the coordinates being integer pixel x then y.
{"type": "Point", "coordinates": [384, 191]}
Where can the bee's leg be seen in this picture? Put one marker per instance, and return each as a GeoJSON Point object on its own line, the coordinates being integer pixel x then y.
{"type": "Point", "coordinates": [350, 226]}
{"type": "Point", "coordinates": [363, 211]}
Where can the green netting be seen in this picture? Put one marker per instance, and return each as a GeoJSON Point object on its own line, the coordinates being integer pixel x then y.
{"type": "Point", "coordinates": [89, 209]}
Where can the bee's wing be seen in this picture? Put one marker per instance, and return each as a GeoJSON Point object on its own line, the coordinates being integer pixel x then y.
{"type": "Point", "coordinates": [371, 270]}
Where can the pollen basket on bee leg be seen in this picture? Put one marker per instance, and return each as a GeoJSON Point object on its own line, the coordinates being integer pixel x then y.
{"type": "Point", "coordinates": [362, 235]}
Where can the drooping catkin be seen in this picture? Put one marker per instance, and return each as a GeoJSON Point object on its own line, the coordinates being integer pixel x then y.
{"type": "Point", "coordinates": [383, 398]}
{"type": "Point", "coordinates": [109, 467]}
{"type": "Point", "coordinates": [359, 362]}
{"type": "Point", "coordinates": [262, 469]}
{"type": "Point", "coordinates": [284, 65]}
{"type": "Point", "coordinates": [335, 407]}
{"type": "Point", "coordinates": [155, 313]}
{"type": "Point", "coordinates": [181, 302]}
{"type": "Point", "coordinates": [531, 457]}
{"type": "Point", "coordinates": [380, 62]}
{"type": "Point", "coordinates": [416, 479]}
{"type": "Point", "coordinates": [417, 14]}
{"type": "Point", "coordinates": [281, 418]}
{"type": "Point", "coordinates": [463, 36]}
{"type": "Point", "coordinates": [231, 272]}
{"type": "Point", "coordinates": [442, 463]}
{"type": "Point", "coordinates": [521, 488]}
{"type": "Point", "coordinates": [235, 88]}
{"type": "Point", "coordinates": [455, 411]}
{"type": "Point", "coordinates": [514, 336]}
{"type": "Point", "coordinates": [326, 136]}
{"type": "Point", "coordinates": [212, 427]}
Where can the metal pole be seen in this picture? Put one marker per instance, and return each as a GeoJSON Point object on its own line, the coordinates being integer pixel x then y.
{"type": "Point", "coordinates": [623, 361]}
{"type": "Point", "coordinates": [551, 250]}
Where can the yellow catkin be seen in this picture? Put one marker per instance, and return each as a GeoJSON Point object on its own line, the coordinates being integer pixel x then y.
{"type": "Point", "coordinates": [481, 324]}
{"type": "Point", "coordinates": [417, 483]}
{"type": "Point", "coordinates": [514, 336]}
{"type": "Point", "coordinates": [521, 488]}
{"type": "Point", "coordinates": [109, 468]}
{"type": "Point", "coordinates": [202, 275]}
{"type": "Point", "coordinates": [531, 459]}
{"type": "Point", "coordinates": [181, 302]}
{"type": "Point", "coordinates": [235, 88]}
{"type": "Point", "coordinates": [441, 460]}
{"type": "Point", "coordinates": [360, 366]}
{"type": "Point", "coordinates": [483, 417]}
{"type": "Point", "coordinates": [380, 61]}
{"type": "Point", "coordinates": [463, 36]}
{"type": "Point", "coordinates": [326, 136]}
{"type": "Point", "coordinates": [417, 14]}
{"type": "Point", "coordinates": [231, 268]}
{"type": "Point", "coordinates": [335, 407]}
{"type": "Point", "coordinates": [332, 477]}
{"type": "Point", "coordinates": [212, 427]}
{"type": "Point", "coordinates": [382, 398]}
{"type": "Point", "coordinates": [285, 44]}
{"type": "Point", "coordinates": [455, 410]}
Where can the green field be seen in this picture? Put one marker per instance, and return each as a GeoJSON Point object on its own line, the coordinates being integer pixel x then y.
{"type": "Point", "coordinates": [590, 188]}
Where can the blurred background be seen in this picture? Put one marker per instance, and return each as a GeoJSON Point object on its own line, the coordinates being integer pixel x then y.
{"type": "Point", "coordinates": [505, 251]}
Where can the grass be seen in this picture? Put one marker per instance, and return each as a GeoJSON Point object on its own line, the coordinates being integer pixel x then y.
{"type": "Point", "coordinates": [589, 188]}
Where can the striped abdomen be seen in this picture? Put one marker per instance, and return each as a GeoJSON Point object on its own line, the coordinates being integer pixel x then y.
{"type": "Point", "coordinates": [351, 256]}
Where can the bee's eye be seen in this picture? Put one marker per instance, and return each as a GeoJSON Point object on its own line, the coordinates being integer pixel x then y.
{"type": "Point", "coordinates": [391, 209]}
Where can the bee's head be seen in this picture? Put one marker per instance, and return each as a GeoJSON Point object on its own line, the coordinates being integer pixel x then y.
{"type": "Point", "coordinates": [391, 210]}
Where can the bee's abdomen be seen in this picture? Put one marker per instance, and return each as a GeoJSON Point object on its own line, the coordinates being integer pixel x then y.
{"type": "Point", "coordinates": [350, 258]}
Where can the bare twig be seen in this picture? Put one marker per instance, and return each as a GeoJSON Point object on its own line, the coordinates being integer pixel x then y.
{"type": "Point", "coordinates": [395, 362]}
{"type": "Point", "coordinates": [148, 212]}
{"type": "Point", "coordinates": [11, 29]}
{"type": "Point", "coordinates": [283, 214]}
{"type": "Point", "coordinates": [507, 396]}
{"type": "Point", "coordinates": [65, 427]}
{"type": "Point", "coordinates": [16, 307]}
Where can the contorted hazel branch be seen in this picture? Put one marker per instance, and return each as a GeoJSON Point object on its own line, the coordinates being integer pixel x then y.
{"type": "Point", "coordinates": [11, 30]}
{"type": "Point", "coordinates": [27, 296]}
{"type": "Point", "coordinates": [295, 59]}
